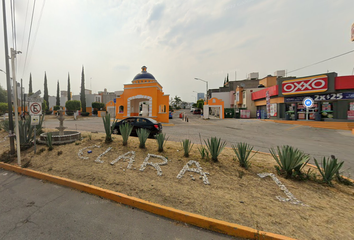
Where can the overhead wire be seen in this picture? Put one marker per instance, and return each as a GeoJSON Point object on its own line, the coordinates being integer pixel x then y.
{"type": "Point", "coordinates": [29, 37]}
{"type": "Point", "coordinates": [321, 61]}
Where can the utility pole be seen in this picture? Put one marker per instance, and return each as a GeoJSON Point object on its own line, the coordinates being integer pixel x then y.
{"type": "Point", "coordinates": [21, 98]}
{"type": "Point", "coordinates": [13, 56]}
{"type": "Point", "coordinates": [8, 82]}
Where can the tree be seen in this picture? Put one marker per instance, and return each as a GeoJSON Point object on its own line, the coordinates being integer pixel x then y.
{"type": "Point", "coordinates": [58, 96]}
{"type": "Point", "coordinates": [82, 94]}
{"type": "Point", "coordinates": [30, 89]}
{"type": "Point", "coordinates": [68, 92]}
{"type": "Point", "coordinates": [177, 101]}
{"type": "Point", "coordinates": [3, 107]}
{"type": "Point", "coordinates": [3, 95]}
{"type": "Point", "coordinates": [46, 96]}
{"type": "Point", "coordinates": [200, 103]}
{"type": "Point", "coordinates": [72, 105]}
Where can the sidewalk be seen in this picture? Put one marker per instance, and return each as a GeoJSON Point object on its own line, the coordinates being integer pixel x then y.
{"type": "Point", "coordinates": [318, 124]}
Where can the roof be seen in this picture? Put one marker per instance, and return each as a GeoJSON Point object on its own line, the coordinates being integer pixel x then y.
{"type": "Point", "coordinates": [144, 75]}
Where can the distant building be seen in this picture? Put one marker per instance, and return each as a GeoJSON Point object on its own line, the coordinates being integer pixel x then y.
{"type": "Point", "coordinates": [200, 96]}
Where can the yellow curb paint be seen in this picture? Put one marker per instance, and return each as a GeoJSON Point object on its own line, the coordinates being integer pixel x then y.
{"type": "Point", "coordinates": [167, 124]}
{"type": "Point", "coordinates": [291, 128]}
{"type": "Point", "coordinates": [353, 131]}
{"type": "Point", "coordinates": [178, 215]}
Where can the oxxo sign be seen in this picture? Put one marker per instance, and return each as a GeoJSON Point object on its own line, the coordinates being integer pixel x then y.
{"type": "Point", "coordinates": [305, 85]}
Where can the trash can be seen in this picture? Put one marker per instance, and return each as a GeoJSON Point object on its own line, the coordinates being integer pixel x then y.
{"type": "Point", "coordinates": [318, 116]}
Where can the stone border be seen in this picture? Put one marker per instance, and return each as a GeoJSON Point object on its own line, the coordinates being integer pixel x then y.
{"type": "Point", "coordinates": [215, 225]}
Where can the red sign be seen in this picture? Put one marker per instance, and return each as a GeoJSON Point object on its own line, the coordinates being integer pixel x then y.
{"type": "Point", "coordinates": [305, 85]}
{"type": "Point", "coordinates": [350, 115]}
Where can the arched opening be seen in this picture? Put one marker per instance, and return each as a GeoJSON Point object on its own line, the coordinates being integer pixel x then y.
{"type": "Point", "coordinates": [139, 105]}
{"type": "Point", "coordinates": [121, 109]}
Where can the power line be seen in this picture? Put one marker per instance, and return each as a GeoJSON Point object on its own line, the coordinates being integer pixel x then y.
{"type": "Point", "coordinates": [322, 61]}
{"type": "Point", "coordinates": [29, 36]}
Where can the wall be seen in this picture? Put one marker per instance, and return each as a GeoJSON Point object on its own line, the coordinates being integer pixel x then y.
{"type": "Point", "coordinates": [247, 101]}
{"type": "Point", "coordinates": [268, 81]}
{"type": "Point", "coordinates": [224, 96]}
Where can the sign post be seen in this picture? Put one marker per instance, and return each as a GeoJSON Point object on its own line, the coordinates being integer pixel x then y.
{"type": "Point", "coordinates": [307, 102]}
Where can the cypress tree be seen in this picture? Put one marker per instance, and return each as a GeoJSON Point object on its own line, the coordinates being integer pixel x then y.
{"type": "Point", "coordinates": [68, 92]}
{"type": "Point", "coordinates": [46, 96]}
{"type": "Point", "coordinates": [82, 94]}
{"type": "Point", "coordinates": [30, 89]}
{"type": "Point", "coordinates": [58, 96]}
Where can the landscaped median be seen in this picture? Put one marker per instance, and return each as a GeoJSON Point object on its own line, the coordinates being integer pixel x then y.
{"type": "Point", "coordinates": [190, 218]}
{"type": "Point", "coordinates": [217, 195]}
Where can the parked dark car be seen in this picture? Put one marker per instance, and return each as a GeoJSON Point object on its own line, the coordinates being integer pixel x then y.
{"type": "Point", "coordinates": [140, 122]}
{"type": "Point", "coordinates": [197, 111]}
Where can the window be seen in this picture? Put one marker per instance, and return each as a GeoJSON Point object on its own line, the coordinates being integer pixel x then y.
{"type": "Point", "coordinates": [121, 109]}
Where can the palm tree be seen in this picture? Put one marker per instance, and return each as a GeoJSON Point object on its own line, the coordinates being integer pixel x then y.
{"type": "Point", "coordinates": [177, 101]}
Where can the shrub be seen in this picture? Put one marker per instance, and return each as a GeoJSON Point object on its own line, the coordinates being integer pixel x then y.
{"type": "Point", "coordinates": [3, 107]}
{"type": "Point", "coordinates": [26, 132]}
{"type": "Point", "coordinates": [187, 146]}
{"type": "Point", "coordinates": [203, 152]}
{"type": "Point", "coordinates": [56, 108]}
{"type": "Point", "coordinates": [125, 130]}
{"type": "Point", "coordinates": [69, 113]}
{"type": "Point", "coordinates": [49, 141]}
{"type": "Point", "coordinates": [289, 159]}
{"type": "Point", "coordinates": [108, 127]}
{"type": "Point", "coordinates": [161, 140]}
{"type": "Point", "coordinates": [73, 105]}
{"type": "Point", "coordinates": [143, 135]}
{"type": "Point", "coordinates": [49, 112]}
{"type": "Point", "coordinates": [243, 152]}
{"type": "Point", "coordinates": [85, 114]}
{"type": "Point", "coordinates": [214, 146]}
{"type": "Point", "coordinates": [330, 168]}
{"type": "Point", "coordinates": [98, 105]}
{"type": "Point", "coordinates": [5, 125]}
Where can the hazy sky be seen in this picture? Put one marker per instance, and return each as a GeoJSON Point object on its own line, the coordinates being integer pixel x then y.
{"type": "Point", "coordinates": [177, 41]}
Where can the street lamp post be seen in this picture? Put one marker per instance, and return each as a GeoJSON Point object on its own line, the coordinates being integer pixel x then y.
{"type": "Point", "coordinates": [206, 87]}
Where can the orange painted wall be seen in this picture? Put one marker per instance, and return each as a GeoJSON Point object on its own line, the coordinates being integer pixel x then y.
{"type": "Point", "coordinates": [217, 102]}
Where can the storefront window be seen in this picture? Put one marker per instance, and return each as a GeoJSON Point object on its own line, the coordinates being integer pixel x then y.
{"type": "Point", "coordinates": [327, 110]}
{"type": "Point", "coordinates": [350, 113]}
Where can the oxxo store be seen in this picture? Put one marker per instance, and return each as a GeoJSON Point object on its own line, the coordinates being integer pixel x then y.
{"type": "Point", "coordinates": [333, 97]}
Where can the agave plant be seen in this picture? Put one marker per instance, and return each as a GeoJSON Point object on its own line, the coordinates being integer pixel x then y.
{"type": "Point", "coordinates": [125, 130]}
{"type": "Point", "coordinates": [215, 146]}
{"type": "Point", "coordinates": [203, 152]}
{"type": "Point", "coordinates": [243, 154]}
{"type": "Point", "coordinates": [330, 167]}
{"type": "Point", "coordinates": [161, 140]}
{"type": "Point", "coordinates": [108, 127]}
{"type": "Point", "coordinates": [26, 132]}
{"type": "Point", "coordinates": [187, 146]}
{"type": "Point", "coordinates": [143, 135]}
{"type": "Point", "coordinates": [49, 141]}
{"type": "Point", "coordinates": [289, 159]}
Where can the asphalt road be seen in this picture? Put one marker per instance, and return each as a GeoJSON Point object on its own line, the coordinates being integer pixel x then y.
{"type": "Point", "coordinates": [33, 209]}
{"type": "Point", "coordinates": [317, 142]}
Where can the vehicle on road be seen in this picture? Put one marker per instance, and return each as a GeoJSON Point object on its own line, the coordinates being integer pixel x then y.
{"type": "Point", "coordinates": [140, 122]}
{"type": "Point", "coordinates": [170, 115]}
{"type": "Point", "coordinates": [197, 111]}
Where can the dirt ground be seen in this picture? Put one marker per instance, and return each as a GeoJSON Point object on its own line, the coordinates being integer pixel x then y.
{"type": "Point", "coordinates": [234, 194]}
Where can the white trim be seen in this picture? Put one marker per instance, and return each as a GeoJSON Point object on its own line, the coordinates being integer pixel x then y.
{"type": "Point", "coordinates": [139, 97]}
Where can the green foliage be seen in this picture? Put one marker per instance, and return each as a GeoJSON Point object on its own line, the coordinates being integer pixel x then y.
{"type": "Point", "coordinates": [176, 102]}
{"type": "Point", "coordinates": [26, 132]}
{"type": "Point", "coordinates": [46, 95]}
{"type": "Point", "coordinates": [73, 105]}
{"type": "Point", "coordinates": [68, 91]}
{"type": "Point", "coordinates": [3, 107]}
{"type": "Point", "coordinates": [203, 152]}
{"type": "Point", "coordinates": [187, 146]}
{"type": "Point", "coordinates": [85, 114]}
{"type": "Point", "coordinates": [161, 140]}
{"type": "Point", "coordinates": [331, 167]}
{"type": "Point", "coordinates": [215, 146]}
{"type": "Point", "coordinates": [82, 93]}
{"type": "Point", "coordinates": [56, 108]}
{"type": "Point", "coordinates": [108, 127]}
{"type": "Point", "coordinates": [243, 152]}
{"type": "Point", "coordinates": [125, 130]}
{"type": "Point", "coordinates": [194, 105]}
{"type": "Point", "coordinates": [143, 135]}
{"type": "Point", "coordinates": [200, 103]}
{"type": "Point", "coordinates": [98, 105]}
{"type": "Point", "coordinates": [5, 125]}
{"type": "Point", "coordinates": [49, 112]}
{"type": "Point", "coordinates": [44, 106]}
{"type": "Point", "coordinates": [58, 95]}
{"type": "Point", "coordinates": [30, 89]}
{"type": "Point", "coordinates": [38, 127]}
{"type": "Point", "coordinates": [49, 141]}
{"type": "Point", "coordinates": [290, 160]}
{"type": "Point", "coordinates": [3, 95]}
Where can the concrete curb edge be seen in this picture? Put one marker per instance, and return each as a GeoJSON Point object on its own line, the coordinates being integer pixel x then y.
{"type": "Point", "coordinates": [168, 212]}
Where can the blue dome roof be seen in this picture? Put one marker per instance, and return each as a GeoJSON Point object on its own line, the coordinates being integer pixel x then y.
{"type": "Point", "coordinates": [144, 75]}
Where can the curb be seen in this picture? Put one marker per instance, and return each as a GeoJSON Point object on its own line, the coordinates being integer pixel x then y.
{"type": "Point", "coordinates": [215, 225]}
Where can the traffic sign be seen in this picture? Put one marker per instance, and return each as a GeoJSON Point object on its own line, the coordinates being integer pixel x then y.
{"type": "Point", "coordinates": [34, 120]}
{"type": "Point", "coordinates": [35, 108]}
{"type": "Point", "coordinates": [308, 102]}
